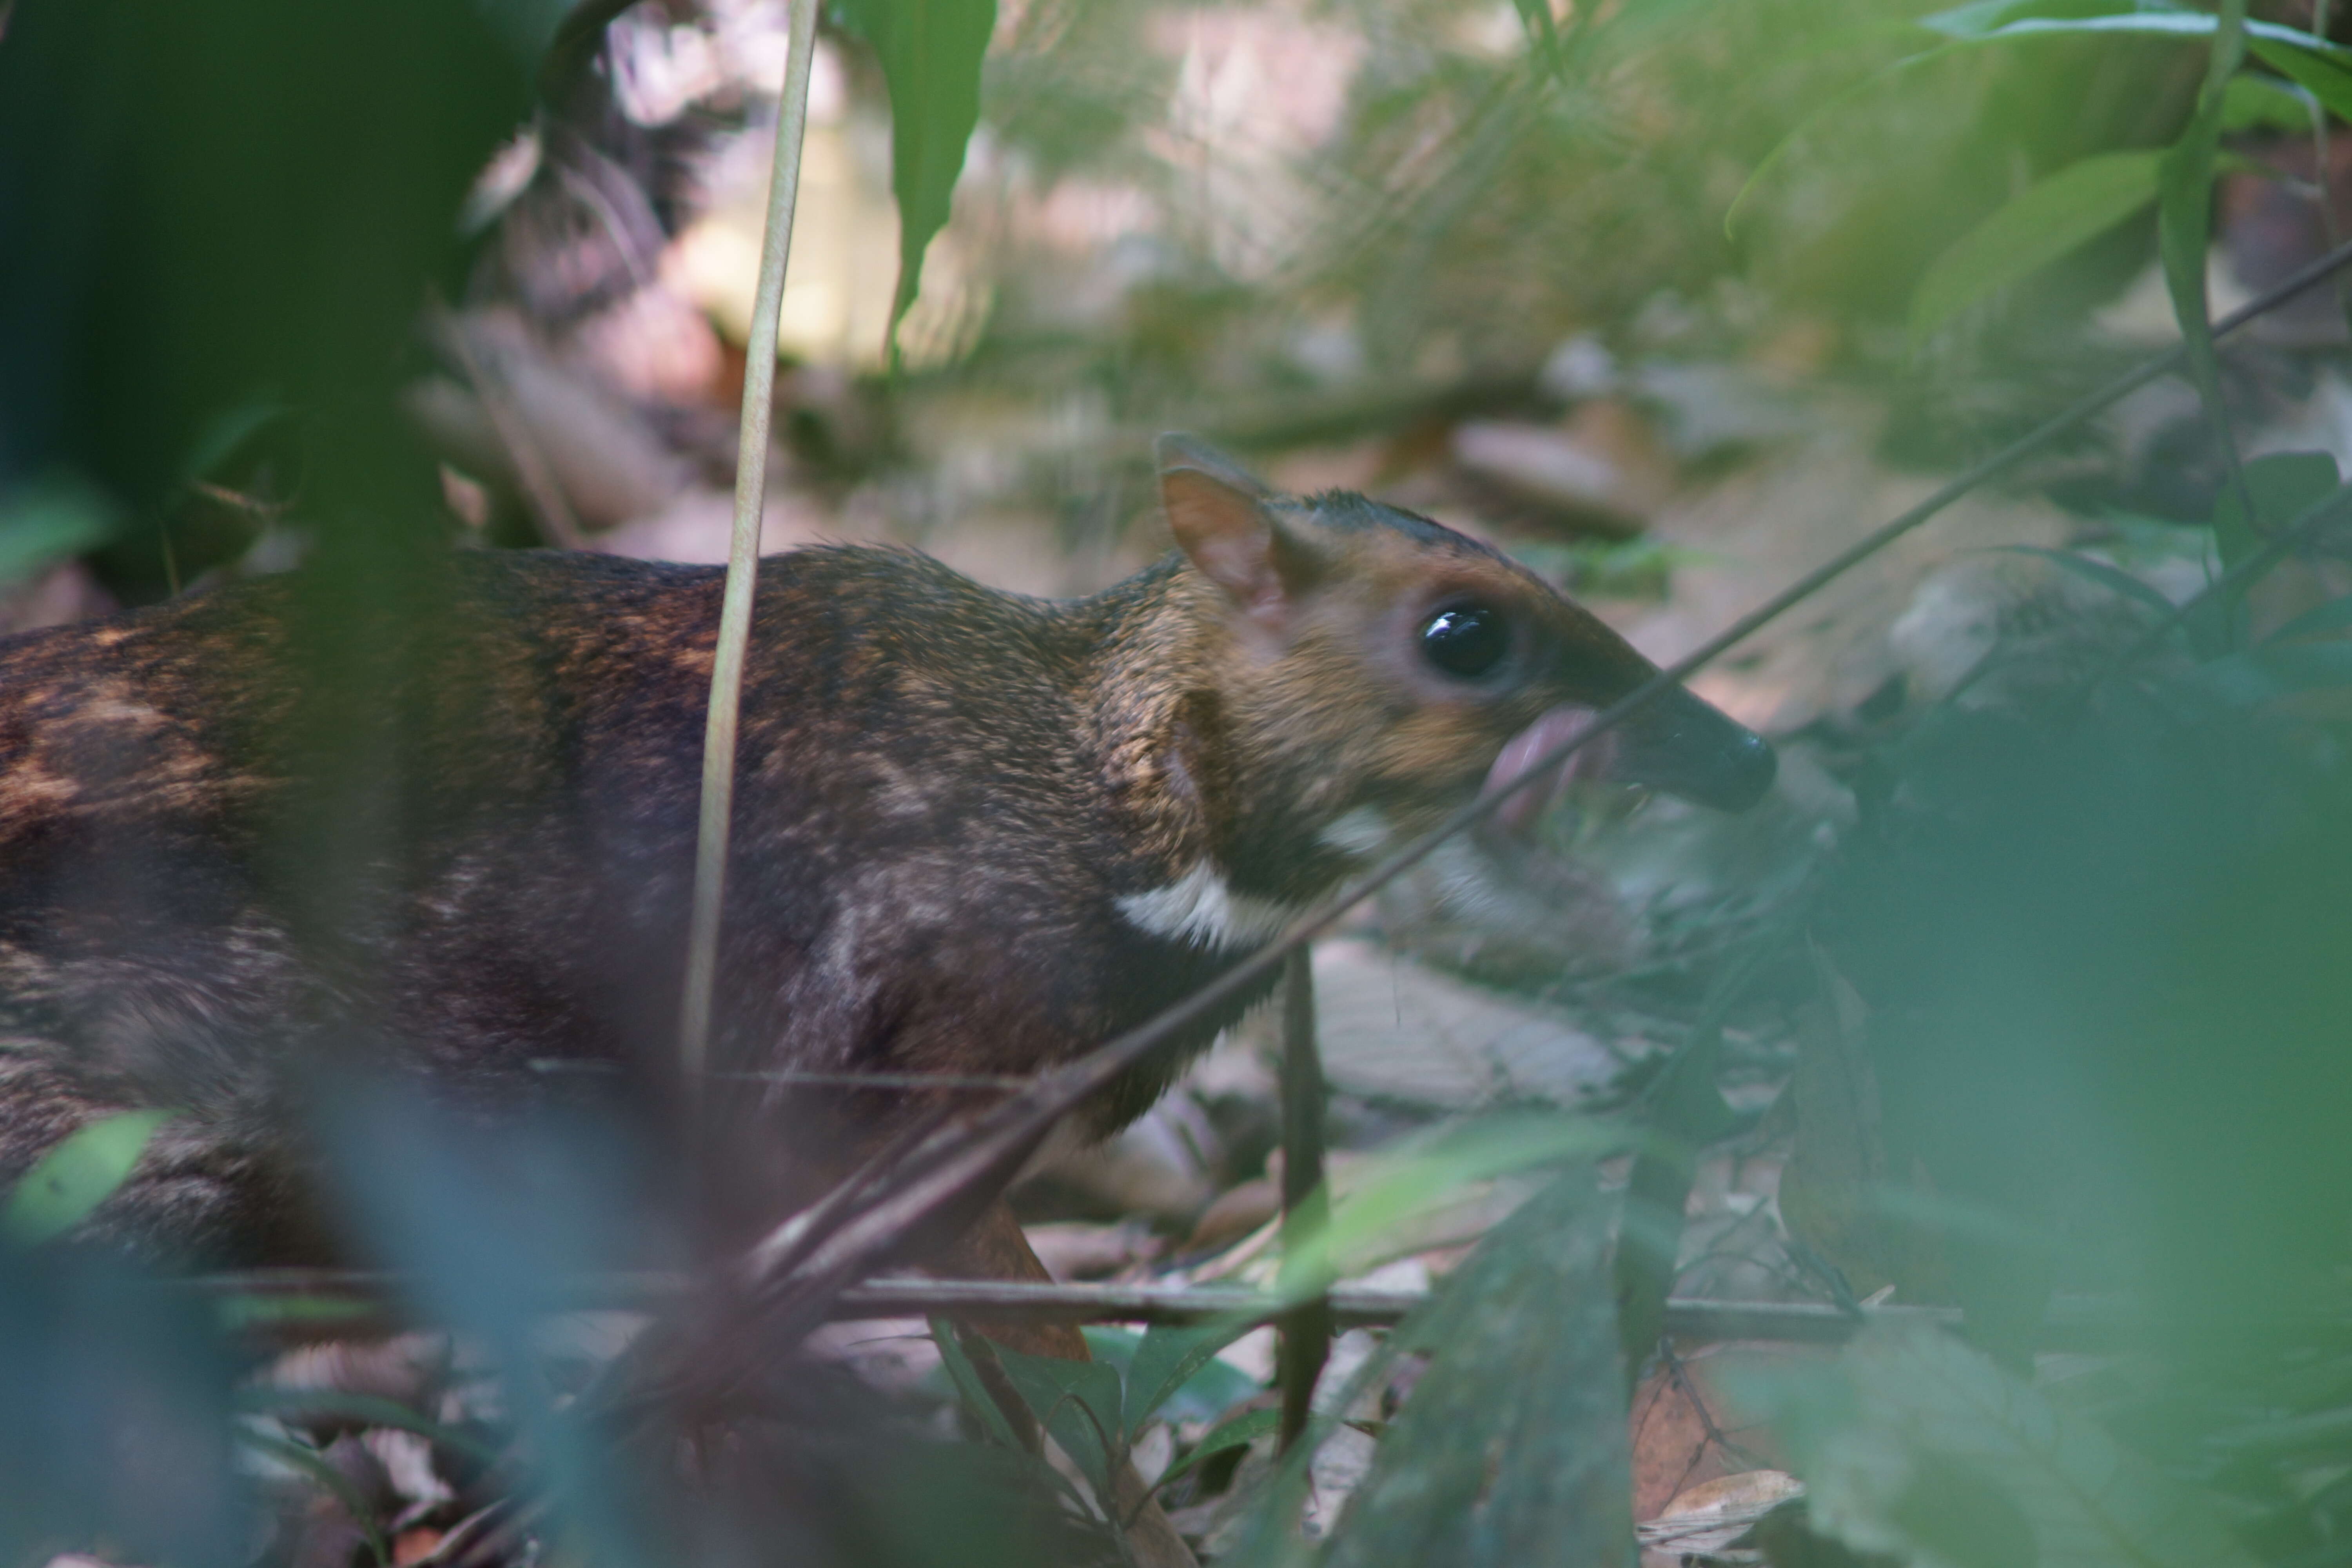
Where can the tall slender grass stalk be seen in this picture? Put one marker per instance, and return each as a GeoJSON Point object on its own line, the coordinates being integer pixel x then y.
{"type": "Point", "coordinates": [742, 563]}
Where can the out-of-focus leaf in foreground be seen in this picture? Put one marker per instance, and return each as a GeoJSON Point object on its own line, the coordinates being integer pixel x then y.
{"type": "Point", "coordinates": [45, 522]}
{"type": "Point", "coordinates": [1079, 1403]}
{"type": "Point", "coordinates": [486, 1230]}
{"type": "Point", "coordinates": [931, 52]}
{"type": "Point", "coordinates": [1912, 1444]}
{"type": "Point", "coordinates": [117, 1429]}
{"type": "Point", "coordinates": [1512, 1449]}
{"type": "Point", "coordinates": [2033, 229]}
{"type": "Point", "coordinates": [1176, 1370]}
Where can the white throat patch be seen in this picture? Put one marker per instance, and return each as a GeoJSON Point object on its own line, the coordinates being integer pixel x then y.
{"type": "Point", "coordinates": [1199, 909]}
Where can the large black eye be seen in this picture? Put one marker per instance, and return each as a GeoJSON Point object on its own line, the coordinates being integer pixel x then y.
{"type": "Point", "coordinates": [1466, 641]}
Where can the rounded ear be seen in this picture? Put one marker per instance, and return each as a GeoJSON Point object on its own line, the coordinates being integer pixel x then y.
{"type": "Point", "coordinates": [1175, 449]}
{"type": "Point", "coordinates": [1219, 516]}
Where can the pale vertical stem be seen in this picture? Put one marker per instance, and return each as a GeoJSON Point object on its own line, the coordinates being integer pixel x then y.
{"type": "Point", "coordinates": [2321, 166]}
{"type": "Point", "coordinates": [742, 561]}
{"type": "Point", "coordinates": [1306, 1330]}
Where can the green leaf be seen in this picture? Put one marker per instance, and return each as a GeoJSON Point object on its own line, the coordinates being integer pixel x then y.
{"type": "Point", "coordinates": [1512, 1452]}
{"type": "Point", "coordinates": [2256, 103]}
{"type": "Point", "coordinates": [1173, 1361]}
{"type": "Point", "coordinates": [1079, 1401]}
{"type": "Point", "coordinates": [977, 1400]}
{"type": "Point", "coordinates": [1418, 1174]}
{"type": "Point", "coordinates": [1238, 1433]}
{"type": "Point", "coordinates": [1992, 22]}
{"type": "Point", "coordinates": [47, 521]}
{"type": "Point", "coordinates": [2033, 229]}
{"type": "Point", "coordinates": [1963, 26]}
{"type": "Point", "coordinates": [2326, 78]}
{"type": "Point", "coordinates": [931, 52]}
{"type": "Point", "coordinates": [73, 1178]}
{"type": "Point", "coordinates": [1913, 1445]}
{"type": "Point", "coordinates": [2331, 616]}
{"type": "Point", "coordinates": [1976, 19]}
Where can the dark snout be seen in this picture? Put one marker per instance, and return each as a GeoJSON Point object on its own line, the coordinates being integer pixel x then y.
{"type": "Point", "coordinates": [1681, 745]}
{"type": "Point", "coordinates": [1672, 742]}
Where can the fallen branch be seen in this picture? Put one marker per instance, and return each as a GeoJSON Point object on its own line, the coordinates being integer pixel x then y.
{"type": "Point", "coordinates": [280, 1298]}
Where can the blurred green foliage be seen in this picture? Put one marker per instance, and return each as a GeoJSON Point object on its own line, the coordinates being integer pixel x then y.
{"type": "Point", "coordinates": [931, 52]}
{"type": "Point", "coordinates": [1913, 1445]}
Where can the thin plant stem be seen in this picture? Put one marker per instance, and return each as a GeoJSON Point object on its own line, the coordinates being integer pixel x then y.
{"type": "Point", "coordinates": [1306, 1330]}
{"type": "Point", "coordinates": [742, 563]}
{"type": "Point", "coordinates": [2322, 170]}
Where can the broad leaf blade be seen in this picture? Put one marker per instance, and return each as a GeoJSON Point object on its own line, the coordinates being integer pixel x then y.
{"type": "Point", "coordinates": [1963, 26]}
{"type": "Point", "coordinates": [1079, 1401]}
{"type": "Point", "coordinates": [2325, 78]}
{"type": "Point", "coordinates": [968, 1385]}
{"type": "Point", "coordinates": [1512, 1449]}
{"type": "Point", "coordinates": [1238, 1433]}
{"type": "Point", "coordinates": [1168, 1359]}
{"type": "Point", "coordinates": [931, 52]}
{"type": "Point", "coordinates": [1913, 1444]}
{"type": "Point", "coordinates": [2032, 229]}
{"type": "Point", "coordinates": [2005, 22]}
{"type": "Point", "coordinates": [71, 1180]}
{"type": "Point", "coordinates": [2257, 102]}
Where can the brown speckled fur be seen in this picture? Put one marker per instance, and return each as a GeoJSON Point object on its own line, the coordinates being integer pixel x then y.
{"type": "Point", "coordinates": [943, 791]}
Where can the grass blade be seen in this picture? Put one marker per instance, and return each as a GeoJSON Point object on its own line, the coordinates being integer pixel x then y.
{"type": "Point", "coordinates": [742, 561]}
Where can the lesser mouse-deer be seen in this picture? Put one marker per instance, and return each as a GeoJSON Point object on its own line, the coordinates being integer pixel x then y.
{"type": "Point", "coordinates": [974, 833]}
